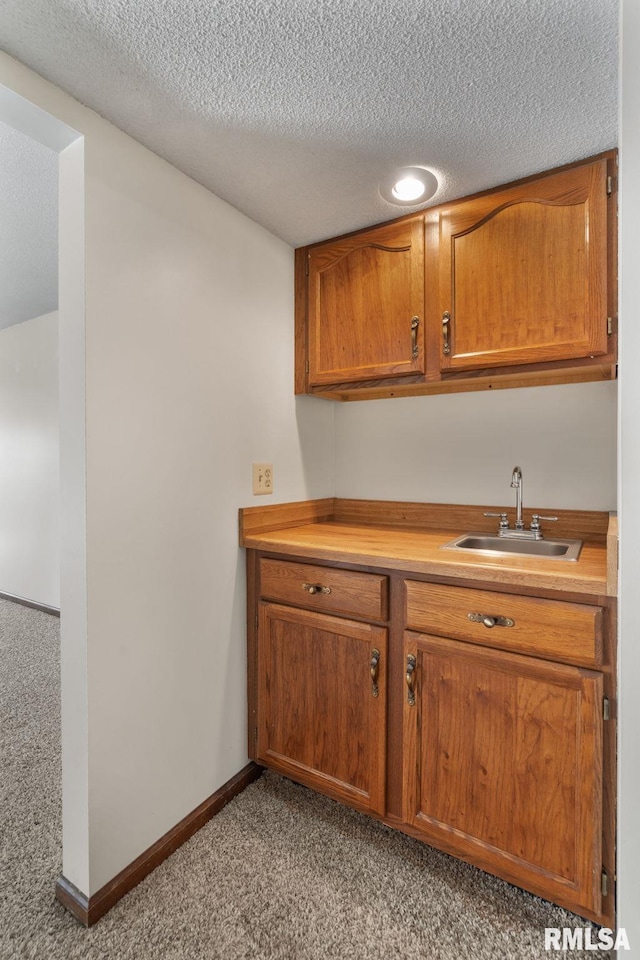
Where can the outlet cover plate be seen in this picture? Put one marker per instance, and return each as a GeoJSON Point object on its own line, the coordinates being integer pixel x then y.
{"type": "Point", "coordinates": [262, 478]}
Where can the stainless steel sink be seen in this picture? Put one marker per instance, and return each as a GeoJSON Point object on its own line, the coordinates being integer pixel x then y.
{"type": "Point", "coordinates": [491, 545]}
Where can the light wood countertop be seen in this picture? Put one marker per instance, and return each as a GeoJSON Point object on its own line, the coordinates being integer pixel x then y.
{"type": "Point", "coordinates": [417, 550]}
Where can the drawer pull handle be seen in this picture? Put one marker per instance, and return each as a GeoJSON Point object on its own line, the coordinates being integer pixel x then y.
{"type": "Point", "coordinates": [375, 660]}
{"type": "Point", "coordinates": [315, 588]}
{"type": "Point", "coordinates": [411, 666]}
{"type": "Point", "coordinates": [490, 621]}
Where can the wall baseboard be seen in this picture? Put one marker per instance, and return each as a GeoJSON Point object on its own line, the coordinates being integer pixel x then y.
{"type": "Point", "coordinates": [44, 607]}
{"type": "Point", "coordinates": [88, 910]}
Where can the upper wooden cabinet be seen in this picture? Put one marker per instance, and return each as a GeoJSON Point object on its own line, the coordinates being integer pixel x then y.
{"type": "Point", "coordinates": [520, 276]}
{"type": "Point", "coordinates": [512, 287]}
{"type": "Point", "coordinates": [366, 305]}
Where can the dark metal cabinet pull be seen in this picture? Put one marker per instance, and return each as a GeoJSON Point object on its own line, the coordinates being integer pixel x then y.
{"type": "Point", "coordinates": [375, 660]}
{"type": "Point", "coordinates": [415, 323]}
{"type": "Point", "coordinates": [491, 621]}
{"type": "Point", "coordinates": [446, 321]}
{"type": "Point", "coordinates": [411, 666]}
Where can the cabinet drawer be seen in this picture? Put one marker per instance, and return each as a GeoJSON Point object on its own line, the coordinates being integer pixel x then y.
{"type": "Point", "coordinates": [340, 591]}
{"type": "Point", "coordinates": [571, 632]}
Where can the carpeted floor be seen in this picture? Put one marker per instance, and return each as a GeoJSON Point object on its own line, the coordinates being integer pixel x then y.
{"type": "Point", "coordinates": [280, 874]}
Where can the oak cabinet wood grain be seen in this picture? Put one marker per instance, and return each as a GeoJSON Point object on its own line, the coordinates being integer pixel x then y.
{"type": "Point", "coordinates": [366, 305]}
{"type": "Point", "coordinates": [522, 273]}
{"type": "Point", "coordinates": [325, 589]}
{"type": "Point", "coordinates": [490, 744]}
{"type": "Point", "coordinates": [553, 629]}
{"type": "Point", "coordinates": [503, 765]}
{"type": "Point", "coordinates": [515, 286]}
{"type": "Point", "coordinates": [322, 715]}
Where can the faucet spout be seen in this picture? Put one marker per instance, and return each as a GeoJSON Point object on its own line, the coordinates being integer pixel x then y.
{"type": "Point", "coordinates": [516, 481]}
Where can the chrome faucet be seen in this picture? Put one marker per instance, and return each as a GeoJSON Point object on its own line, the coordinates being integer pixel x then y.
{"type": "Point", "coordinates": [519, 532]}
{"type": "Point", "coordinates": [516, 481]}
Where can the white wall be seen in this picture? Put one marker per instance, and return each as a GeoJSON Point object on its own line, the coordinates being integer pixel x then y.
{"type": "Point", "coordinates": [73, 499]}
{"type": "Point", "coordinates": [189, 377]}
{"type": "Point", "coordinates": [29, 461]}
{"type": "Point", "coordinates": [462, 448]}
{"type": "Point", "coordinates": [629, 648]}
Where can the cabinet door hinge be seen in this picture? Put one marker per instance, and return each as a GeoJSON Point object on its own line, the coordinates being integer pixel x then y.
{"type": "Point", "coordinates": [604, 883]}
{"type": "Point", "coordinates": [609, 186]}
{"type": "Point", "coordinates": [609, 325]}
{"type": "Point", "coordinates": [605, 708]}
{"type": "Point", "coordinates": [306, 266]}
{"type": "Point", "coordinates": [256, 621]}
{"type": "Point", "coordinates": [306, 367]}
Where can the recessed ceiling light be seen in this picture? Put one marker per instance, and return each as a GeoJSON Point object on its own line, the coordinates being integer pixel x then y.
{"type": "Point", "coordinates": [407, 189]}
{"type": "Point", "coordinates": [409, 186]}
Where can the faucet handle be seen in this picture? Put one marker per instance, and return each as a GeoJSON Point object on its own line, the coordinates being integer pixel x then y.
{"type": "Point", "coordinates": [536, 518]}
{"type": "Point", "coordinates": [504, 521]}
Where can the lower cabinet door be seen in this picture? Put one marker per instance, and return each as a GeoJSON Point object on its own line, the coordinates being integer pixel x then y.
{"type": "Point", "coordinates": [503, 765]}
{"type": "Point", "coordinates": [321, 695]}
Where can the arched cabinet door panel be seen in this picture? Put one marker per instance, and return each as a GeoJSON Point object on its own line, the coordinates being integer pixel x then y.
{"type": "Point", "coordinates": [366, 305]}
{"type": "Point", "coordinates": [522, 273]}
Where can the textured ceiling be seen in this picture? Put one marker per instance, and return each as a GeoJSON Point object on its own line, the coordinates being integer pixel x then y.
{"type": "Point", "coordinates": [29, 228]}
{"type": "Point", "coordinates": [295, 110]}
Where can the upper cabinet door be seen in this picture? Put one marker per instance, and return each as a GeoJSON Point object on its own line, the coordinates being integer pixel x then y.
{"type": "Point", "coordinates": [366, 305]}
{"type": "Point", "coordinates": [521, 274]}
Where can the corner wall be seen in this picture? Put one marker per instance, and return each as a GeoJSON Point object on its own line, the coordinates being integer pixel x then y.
{"type": "Point", "coordinates": [629, 446]}
{"type": "Point", "coordinates": [29, 460]}
{"type": "Point", "coordinates": [189, 378]}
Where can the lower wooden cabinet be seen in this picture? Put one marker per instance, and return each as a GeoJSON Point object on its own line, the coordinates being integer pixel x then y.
{"type": "Point", "coordinates": [499, 736]}
{"type": "Point", "coordinates": [503, 764]}
{"type": "Point", "coordinates": [321, 716]}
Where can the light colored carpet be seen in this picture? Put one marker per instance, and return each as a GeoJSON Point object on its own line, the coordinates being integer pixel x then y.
{"type": "Point", "coordinates": [280, 874]}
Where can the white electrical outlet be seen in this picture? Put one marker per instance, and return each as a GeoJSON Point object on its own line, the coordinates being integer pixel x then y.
{"type": "Point", "coordinates": [262, 478]}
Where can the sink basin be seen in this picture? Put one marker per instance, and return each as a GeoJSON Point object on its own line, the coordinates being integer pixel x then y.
{"type": "Point", "coordinates": [491, 545]}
